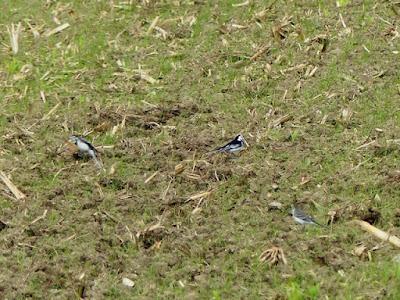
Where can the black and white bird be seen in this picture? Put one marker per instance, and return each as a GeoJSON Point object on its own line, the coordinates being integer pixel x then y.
{"type": "Point", "coordinates": [237, 144]}
{"type": "Point", "coordinates": [302, 218]}
{"type": "Point", "coordinates": [86, 148]}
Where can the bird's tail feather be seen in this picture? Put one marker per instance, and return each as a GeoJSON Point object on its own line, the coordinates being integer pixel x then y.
{"type": "Point", "coordinates": [319, 224]}
{"type": "Point", "coordinates": [97, 162]}
{"type": "Point", "coordinates": [220, 149]}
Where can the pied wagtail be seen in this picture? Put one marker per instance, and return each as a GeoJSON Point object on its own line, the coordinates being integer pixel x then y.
{"type": "Point", "coordinates": [85, 147]}
{"type": "Point", "coordinates": [237, 144]}
{"type": "Point", "coordinates": [302, 218]}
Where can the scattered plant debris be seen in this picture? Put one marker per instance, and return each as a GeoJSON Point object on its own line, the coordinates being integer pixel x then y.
{"type": "Point", "coordinates": [273, 256]}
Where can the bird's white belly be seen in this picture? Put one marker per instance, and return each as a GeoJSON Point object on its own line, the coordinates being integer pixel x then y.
{"type": "Point", "coordinates": [83, 147]}
{"type": "Point", "coordinates": [300, 221]}
{"type": "Point", "coordinates": [235, 149]}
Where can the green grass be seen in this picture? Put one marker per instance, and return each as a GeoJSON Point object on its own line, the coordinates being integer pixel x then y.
{"type": "Point", "coordinates": [97, 226]}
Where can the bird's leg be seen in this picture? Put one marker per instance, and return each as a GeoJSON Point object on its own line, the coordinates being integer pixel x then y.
{"type": "Point", "coordinates": [78, 155]}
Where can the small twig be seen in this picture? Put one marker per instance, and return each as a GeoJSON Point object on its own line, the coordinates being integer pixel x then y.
{"type": "Point", "coordinates": [312, 72]}
{"type": "Point", "coordinates": [152, 25]}
{"type": "Point", "coordinates": [149, 104]}
{"type": "Point", "coordinates": [365, 145]}
{"type": "Point", "coordinates": [35, 33]}
{"type": "Point", "coordinates": [56, 30]}
{"type": "Point", "coordinates": [365, 48]}
{"type": "Point", "coordinates": [147, 78]}
{"type": "Point", "coordinates": [384, 236]}
{"type": "Point", "coordinates": [131, 236]}
{"type": "Point", "coordinates": [359, 165]}
{"type": "Point", "coordinates": [151, 177]}
{"type": "Point", "coordinates": [200, 195]}
{"type": "Point", "coordinates": [69, 238]}
{"type": "Point", "coordinates": [99, 189]}
{"type": "Point", "coordinates": [383, 20]}
{"type": "Point", "coordinates": [163, 32]}
{"type": "Point", "coordinates": [197, 208]}
{"type": "Point", "coordinates": [14, 36]}
{"type": "Point", "coordinates": [110, 216]}
{"type": "Point", "coordinates": [26, 245]}
{"type": "Point", "coordinates": [105, 147]}
{"type": "Point", "coordinates": [59, 171]}
{"type": "Point", "coordinates": [47, 116]}
{"type": "Point", "coordinates": [247, 2]}
{"type": "Point", "coordinates": [40, 218]}
{"type": "Point", "coordinates": [284, 95]}
{"type": "Point", "coordinates": [166, 191]}
{"type": "Point", "coordinates": [16, 192]}
{"type": "Point", "coordinates": [342, 21]}
{"type": "Point", "coordinates": [260, 52]}
{"type": "Point", "coordinates": [43, 96]}
{"type": "Point", "coordinates": [281, 121]}
{"type": "Point", "coordinates": [44, 76]}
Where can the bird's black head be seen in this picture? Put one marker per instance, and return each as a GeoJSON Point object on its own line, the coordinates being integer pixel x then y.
{"type": "Point", "coordinates": [239, 138]}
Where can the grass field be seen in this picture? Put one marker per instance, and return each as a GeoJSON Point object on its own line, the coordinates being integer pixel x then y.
{"type": "Point", "coordinates": [155, 85]}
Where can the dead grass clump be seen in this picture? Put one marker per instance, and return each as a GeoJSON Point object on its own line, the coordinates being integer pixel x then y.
{"type": "Point", "coordinates": [152, 236]}
{"type": "Point", "coordinates": [273, 256]}
{"type": "Point", "coordinates": [282, 29]}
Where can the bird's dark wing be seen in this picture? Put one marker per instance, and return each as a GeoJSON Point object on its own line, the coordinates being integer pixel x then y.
{"type": "Point", "coordinates": [91, 147]}
{"type": "Point", "coordinates": [235, 144]}
{"type": "Point", "coordinates": [310, 219]}
{"type": "Point", "coordinates": [223, 148]}
{"type": "Point", "coordinates": [302, 215]}
{"type": "Point", "coordinates": [230, 146]}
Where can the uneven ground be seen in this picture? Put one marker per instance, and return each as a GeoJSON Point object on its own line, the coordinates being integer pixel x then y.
{"type": "Point", "coordinates": [313, 87]}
